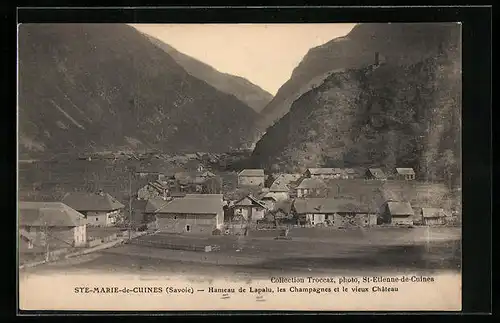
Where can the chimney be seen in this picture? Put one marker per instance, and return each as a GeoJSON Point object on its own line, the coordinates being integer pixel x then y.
{"type": "Point", "coordinates": [377, 61]}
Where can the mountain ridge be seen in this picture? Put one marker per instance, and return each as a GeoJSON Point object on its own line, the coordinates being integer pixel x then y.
{"type": "Point", "coordinates": [244, 90]}
{"type": "Point", "coordinates": [94, 87]}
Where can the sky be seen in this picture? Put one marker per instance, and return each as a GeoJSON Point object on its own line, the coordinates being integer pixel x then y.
{"type": "Point", "coordinates": [264, 54]}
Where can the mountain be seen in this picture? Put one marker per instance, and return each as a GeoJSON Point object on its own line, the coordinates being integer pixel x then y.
{"type": "Point", "coordinates": [404, 113]}
{"type": "Point", "coordinates": [95, 87]}
{"type": "Point", "coordinates": [396, 43]}
{"type": "Point", "coordinates": [247, 92]}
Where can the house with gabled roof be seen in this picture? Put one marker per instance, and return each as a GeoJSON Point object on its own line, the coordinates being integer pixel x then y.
{"type": "Point", "coordinates": [249, 209]}
{"type": "Point", "coordinates": [53, 223]}
{"type": "Point", "coordinates": [398, 213]}
{"type": "Point", "coordinates": [100, 209]}
{"type": "Point", "coordinates": [192, 214]}
{"type": "Point", "coordinates": [433, 216]}
{"type": "Point", "coordinates": [309, 187]}
{"type": "Point", "coordinates": [407, 174]}
{"type": "Point", "coordinates": [375, 173]}
{"type": "Point", "coordinates": [251, 177]}
{"type": "Point", "coordinates": [337, 212]}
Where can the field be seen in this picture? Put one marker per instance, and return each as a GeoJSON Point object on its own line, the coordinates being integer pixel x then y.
{"type": "Point", "coordinates": [343, 252]}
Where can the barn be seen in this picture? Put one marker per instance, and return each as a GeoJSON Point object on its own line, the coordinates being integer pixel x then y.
{"type": "Point", "coordinates": [191, 215]}
{"type": "Point", "coordinates": [336, 212]}
{"type": "Point", "coordinates": [399, 213]}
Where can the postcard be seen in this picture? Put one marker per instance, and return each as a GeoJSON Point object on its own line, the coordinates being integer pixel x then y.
{"type": "Point", "coordinates": [290, 167]}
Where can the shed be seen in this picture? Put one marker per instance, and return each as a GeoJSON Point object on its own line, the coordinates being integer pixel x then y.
{"type": "Point", "coordinates": [405, 173]}
{"type": "Point", "coordinates": [375, 173]}
{"type": "Point", "coordinates": [249, 208]}
{"type": "Point", "coordinates": [433, 216]}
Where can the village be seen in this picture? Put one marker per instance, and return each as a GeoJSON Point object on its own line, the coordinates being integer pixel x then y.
{"type": "Point", "coordinates": [200, 205]}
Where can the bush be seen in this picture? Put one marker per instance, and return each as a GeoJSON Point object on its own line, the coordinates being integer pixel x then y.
{"type": "Point", "coordinates": [216, 232]}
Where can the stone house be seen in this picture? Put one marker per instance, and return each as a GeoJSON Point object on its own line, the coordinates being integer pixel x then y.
{"type": "Point", "coordinates": [100, 209]}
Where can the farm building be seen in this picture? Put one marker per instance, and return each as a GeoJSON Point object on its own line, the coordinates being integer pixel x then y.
{"type": "Point", "coordinates": [151, 190]}
{"type": "Point", "coordinates": [279, 190]}
{"type": "Point", "coordinates": [53, 223]}
{"type": "Point", "coordinates": [100, 209]}
{"type": "Point", "coordinates": [375, 173]}
{"type": "Point", "coordinates": [433, 216]}
{"type": "Point", "coordinates": [249, 208]}
{"type": "Point", "coordinates": [191, 214]}
{"type": "Point", "coordinates": [326, 173]}
{"type": "Point", "coordinates": [310, 187]}
{"type": "Point", "coordinates": [268, 199]}
{"type": "Point", "coordinates": [398, 213]}
{"type": "Point", "coordinates": [338, 212]}
{"type": "Point", "coordinates": [251, 177]}
{"type": "Point", "coordinates": [407, 174]}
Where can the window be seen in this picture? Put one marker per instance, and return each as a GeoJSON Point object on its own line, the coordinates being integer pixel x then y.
{"type": "Point", "coordinates": [97, 219]}
{"type": "Point", "coordinates": [188, 228]}
{"type": "Point", "coordinates": [175, 217]}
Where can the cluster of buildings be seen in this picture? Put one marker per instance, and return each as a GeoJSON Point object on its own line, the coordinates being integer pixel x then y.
{"type": "Point", "coordinates": [193, 203]}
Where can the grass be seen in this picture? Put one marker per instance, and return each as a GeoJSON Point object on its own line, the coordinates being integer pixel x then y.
{"type": "Point", "coordinates": [379, 250]}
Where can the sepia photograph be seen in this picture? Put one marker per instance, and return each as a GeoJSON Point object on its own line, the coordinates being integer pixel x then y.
{"type": "Point", "coordinates": [311, 166]}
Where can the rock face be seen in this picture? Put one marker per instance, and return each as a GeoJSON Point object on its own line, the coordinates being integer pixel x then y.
{"type": "Point", "coordinates": [245, 91]}
{"type": "Point", "coordinates": [94, 87]}
{"type": "Point", "coordinates": [400, 44]}
{"type": "Point", "coordinates": [403, 113]}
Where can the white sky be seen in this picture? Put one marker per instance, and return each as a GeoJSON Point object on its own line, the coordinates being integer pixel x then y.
{"type": "Point", "coordinates": [264, 54]}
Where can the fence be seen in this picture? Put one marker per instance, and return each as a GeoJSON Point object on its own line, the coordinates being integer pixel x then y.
{"type": "Point", "coordinates": [166, 245]}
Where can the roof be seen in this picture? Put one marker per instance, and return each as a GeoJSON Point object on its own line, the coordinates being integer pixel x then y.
{"type": "Point", "coordinates": [249, 200]}
{"type": "Point", "coordinates": [193, 205]}
{"type": "Point", "coordinates": [312, 183]}
{"type": "Point", "coordinates": [218, 196]}
{"type": "Point", "coordinates": [326, 171]}
{"type": "Point", "coordinates": [377, 172]}
{"type": "Point", "coordinates": [405, 171]}
{"type": "Point", "coordinates": [154, 204]}
{"type": "Point", "coordinates": [428, 212]}
{"type": "Point", "coordinates": [330, 205]}
{"type": "Point", "coordinates": [400, 208]}
{"type": "Point", "coordinates": [54, 214]}
{"type": "Point", "coordinates": [252, 172]}
{"type": "Point", "coordinates": [279, 187]}
{"type": "Point", "coordinates": [84, 201]}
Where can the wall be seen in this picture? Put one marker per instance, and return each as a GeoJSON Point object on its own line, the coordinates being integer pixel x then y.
{"type": "Point", "coordinates": [251, 180]}
{"type": "Point", "coordinates": [102, 218]}
{"type": "Point", "coordinates": [80, 236]}
{"type": "Point", "coordinates": [316, 218]}
{"type": "Point", "coordinates": [360, 219]}
{"type": "Point", "coordinates": [60, 237]}
{"type": "Point", "coordinates": [402, 220]}
{"type": "Point", "coordinates": [250, 213]}
{"type": "Point", "coordinates": [433, 221]}
{"type": "Point", "coordinates": [198, 223]}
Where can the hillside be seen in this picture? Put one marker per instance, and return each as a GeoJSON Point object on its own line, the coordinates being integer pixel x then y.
{"type": "Point", "coordinates": [245, 91]}
{"type": "Point", "coordinates": [95, 87]}
{"type": "Point", "coordinates": [400, 44]}
{"type": "Point", "coordinates": [387, 115]}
